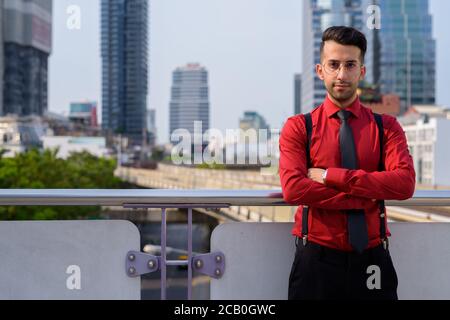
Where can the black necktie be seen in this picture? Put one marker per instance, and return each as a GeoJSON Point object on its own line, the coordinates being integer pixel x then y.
{"type": "Point", "coordinates": [357, 227]}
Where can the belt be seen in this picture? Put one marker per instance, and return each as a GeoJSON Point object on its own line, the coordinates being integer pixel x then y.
{"type": "Point", "coordinates": [340, 254]}
{"type": "Point", "coordinates": [305, 241]}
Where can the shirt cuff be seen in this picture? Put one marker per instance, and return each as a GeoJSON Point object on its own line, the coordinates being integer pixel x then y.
{"type": "Point", "coordinates": [336, 178]}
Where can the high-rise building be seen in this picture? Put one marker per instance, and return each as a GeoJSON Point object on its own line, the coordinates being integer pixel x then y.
{"type": "Point", "coordinates": [189, 98]}
{"type": "Point", "coordinates": [27, 44]}
{"type": "Point", "coordinates": [124, 50]}
{"type": "Point", "coordinates": [407, 51]}
{"type": "Point", "coordinates": [318, 16]}
{"type": "Point", "coordinates": [297, 93]}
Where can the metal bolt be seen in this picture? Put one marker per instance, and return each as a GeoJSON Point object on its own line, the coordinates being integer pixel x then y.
{"type": "Point", "coordinates": [131, 257]}
{"type": "Point", "coordinates": [198, 263]}
{"type": "Point", "coordinates": [131, 270]}
{"type": "Point", "coordinates": [151, 264]}
{"type": "Point", "coordinates": [218, 272]}
{"type": "Point", "coordinates": [218, 259]}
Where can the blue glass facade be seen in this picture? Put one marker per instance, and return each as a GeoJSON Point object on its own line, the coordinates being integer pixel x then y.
{"type": "Point", "coordinates": [25, 86]}
{"type": "Point", "coordinates": [124, 50]}
{"type": "Point", "coordinates": [81, 107]}
{"type": "Point", "coordinates": [407, 51]}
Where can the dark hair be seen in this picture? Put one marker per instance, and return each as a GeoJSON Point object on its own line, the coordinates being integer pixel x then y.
{"type": "Point", "coordinates": [346, 36]}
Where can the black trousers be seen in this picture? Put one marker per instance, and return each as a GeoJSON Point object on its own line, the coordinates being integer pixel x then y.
{"type": "Point", "coordinates": [320, 273]}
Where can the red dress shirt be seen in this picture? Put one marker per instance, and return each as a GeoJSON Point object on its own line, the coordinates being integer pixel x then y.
{"type": "Point", "coordinates": [344, 189]}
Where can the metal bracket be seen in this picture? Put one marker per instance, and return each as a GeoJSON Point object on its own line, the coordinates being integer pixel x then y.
{"type": "Point", "coordinates": [386, 243]}
{"type": "Point", "coordinates": [210, 264]}
{"type": "Point", "coordinates": [139, 263]}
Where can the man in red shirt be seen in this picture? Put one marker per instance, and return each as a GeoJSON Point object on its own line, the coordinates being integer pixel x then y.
{"type": "Point", "coordinates": [340, 225]}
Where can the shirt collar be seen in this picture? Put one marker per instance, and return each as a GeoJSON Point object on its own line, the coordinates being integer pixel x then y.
{"type": "Point", "coordinates": [331, 109]}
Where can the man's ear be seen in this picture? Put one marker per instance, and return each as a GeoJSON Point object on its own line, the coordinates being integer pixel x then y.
{"type": "Point", "coordinates": [319, 71]}
{"type": "Point", "coordinates": [363, 73]}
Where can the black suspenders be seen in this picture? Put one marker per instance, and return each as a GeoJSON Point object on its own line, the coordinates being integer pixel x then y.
{"type": "Point", "coordinates": [308, 126]}
{"type": "Point", "coordinates": [381, 168]}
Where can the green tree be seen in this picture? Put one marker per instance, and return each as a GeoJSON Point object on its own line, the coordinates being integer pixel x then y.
{"type": "Point", "coordinates": [44, 170]}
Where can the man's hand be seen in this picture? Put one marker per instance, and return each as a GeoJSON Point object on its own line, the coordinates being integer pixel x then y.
{"type": "Point", "coordinates": [316, 175]}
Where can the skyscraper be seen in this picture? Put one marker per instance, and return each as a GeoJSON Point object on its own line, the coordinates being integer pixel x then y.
{"type": "Point", "coordinates": [407, 52]}
{"type": "Point", "coordinates": [318, 16]}
{"type": "Point", "coordinates": [124, 50]}
{"type": "Point", "coordinates": [27, 44]}
{"type": "Point", "coordinates": [189, 98]}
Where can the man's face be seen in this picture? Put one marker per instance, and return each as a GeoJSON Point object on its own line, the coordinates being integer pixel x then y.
{"type": "Point", "coordinates": [341, 70]}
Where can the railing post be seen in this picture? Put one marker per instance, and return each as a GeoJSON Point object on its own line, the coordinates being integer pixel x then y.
{"type": "Point", "coordinates": [163, 253]}
{"type": "Point", "coordinates": [189, 253]}
{"type": "Point", "coordinates": [206, 264]}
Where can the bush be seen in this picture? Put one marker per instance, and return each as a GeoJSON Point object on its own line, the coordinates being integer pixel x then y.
{"type": "Point", "coordinates": [43, 170]}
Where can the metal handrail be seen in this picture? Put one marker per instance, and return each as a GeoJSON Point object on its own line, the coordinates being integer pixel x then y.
{"type": "Point", "coordinates": [119, 197]}
{"type": "Point", "coordinates": [169, 198]}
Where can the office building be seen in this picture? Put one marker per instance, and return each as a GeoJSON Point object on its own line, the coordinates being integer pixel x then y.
{"type": "Point", "coordinates": [124, 51]}
{"type": "Point", "coordinates": [407, 52]}
{"type": "Point", "coordinates": [189, 98]}
{"type": "Point", "coordinates": [26, 39]}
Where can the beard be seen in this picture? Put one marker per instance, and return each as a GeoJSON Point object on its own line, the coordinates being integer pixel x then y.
{"type": "Point", "coordinates": [342, 91]}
